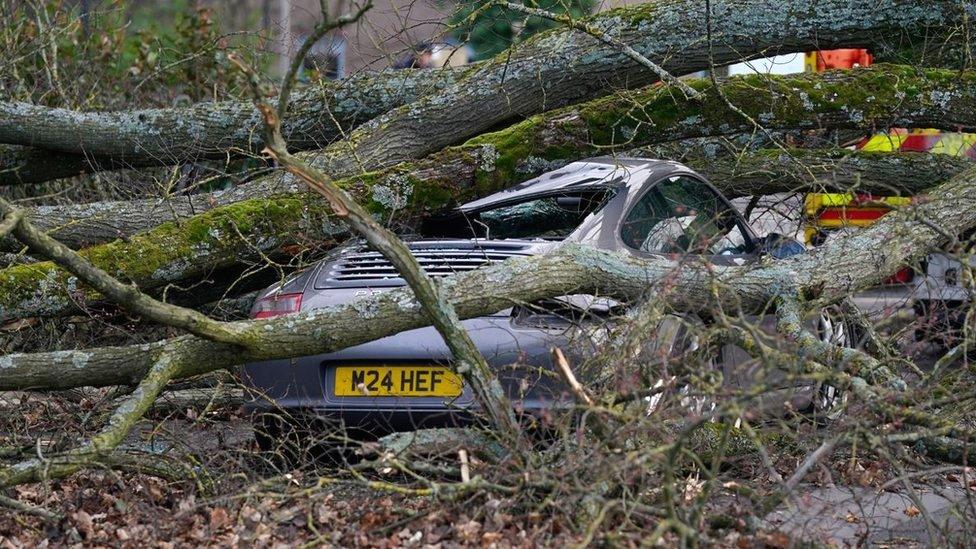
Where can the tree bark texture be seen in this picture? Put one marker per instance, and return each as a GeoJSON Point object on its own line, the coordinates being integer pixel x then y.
{"type": "Point", "coordinates": [829, 273]}
{"type": "Point", "coordinates": [48, 143]}
{"type": "Point", "coordinates": [564, 67]}
{"type": "Point", "coordinates": [756, 172]}
{"type": "Point", "coordinates": [186, 249]}
{"type": "Point", "coordinates": [866, 100]}
{"type": "Point", "coordinates": [551, 69]}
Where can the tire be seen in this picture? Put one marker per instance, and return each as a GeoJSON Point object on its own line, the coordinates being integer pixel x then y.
{"type": "Point", "coordinates": [674, 338]}
{"type": "Point", "coordinates": [833, 328]}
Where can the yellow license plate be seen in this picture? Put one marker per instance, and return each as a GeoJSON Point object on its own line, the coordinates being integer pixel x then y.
{"type": "Point", "coordinates": [404, 381]}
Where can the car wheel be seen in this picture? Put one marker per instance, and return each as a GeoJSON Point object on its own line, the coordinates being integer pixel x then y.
{"type": "Point", "coordinates": [832, 328]}
{"type": "Point", "coordinates": [675, 341]}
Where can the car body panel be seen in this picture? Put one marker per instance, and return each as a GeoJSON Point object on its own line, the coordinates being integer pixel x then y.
{"type": "Point", "coordinates": [945, 279]}
{"type": "Point", "coordinates": [576, 175]}
{"type": "Point", "coordinates": [305, 383]}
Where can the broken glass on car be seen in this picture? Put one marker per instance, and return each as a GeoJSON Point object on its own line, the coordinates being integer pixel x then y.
{"type": "Point", "coordinates": [550, 217]}
{"type": "Point", "coordinates": [681, 214]}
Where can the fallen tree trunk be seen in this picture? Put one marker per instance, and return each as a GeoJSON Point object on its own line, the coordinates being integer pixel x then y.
{"type": "Point", "coordinates": [55, 143]}
{"type": "Point", "coordinates": [861, 99]}
{"type": "Point", "coordinates": [697, 283]}
{"type": "Point", "coordinates": [28, 165]}
{"type": "Point", "coordinates": [84, 225]}
{"type": "Point", "coordinates": [746, 173]}
{"type": "Point", "coordinates": [213, 240]}
{"type": "Point", "coordinates": [829, 273]}
{"type": "Point", "coordinates": [219, 237]}
{"type": "Point", "coordinates": [549, 70]}
{"type": "Point", "coordinates": [772, 171]}
{"type": "Point", "coordinates": [864, 100]}
{"type": "Point", "coordinates": [564, 67]}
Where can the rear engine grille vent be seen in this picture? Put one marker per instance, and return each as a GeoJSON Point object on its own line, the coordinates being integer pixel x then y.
{"type": "Point", "coordinates": [446, 261]}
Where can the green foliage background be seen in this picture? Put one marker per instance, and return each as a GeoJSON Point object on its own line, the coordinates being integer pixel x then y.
{"type": "Point", "coordinates": [126, 53]}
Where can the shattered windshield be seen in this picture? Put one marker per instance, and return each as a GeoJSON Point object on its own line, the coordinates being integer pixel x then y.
{"type": "Point", "coordinates": [551, 217]}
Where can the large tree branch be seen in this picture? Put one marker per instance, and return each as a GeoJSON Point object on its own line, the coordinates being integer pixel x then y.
{"type": "Point", "coordinates": [107, 285]}
{"type": "Point", "coordinates": [771, 171]}
{"type": "Point", "coordinates": [552, 69]}
{"type": "Point", "coordinates": [865, 99]}
{"type": "Point", "coordinates": [745, 173]}
{"type": "Point", "coordinates": [468, 360]}
{"type": "Point", "coordinates": [27, 165]}
{"type": "Point", "coordinates": [829, 273]}
{"type": "Point", "coordinates": [789, 322]}
{"type": "Point", "coordinates": [84, 225]}
{"type": "Point", "coordinates": [165, 366]}
{"type": "Point", "coordinates": [565, 67]}
{"type": "Point", "coordinates": [60, 142]}
{"type": "Point", "coordinates": [219, 237]}
{"type": "Point", "coordinates": [191, 250]}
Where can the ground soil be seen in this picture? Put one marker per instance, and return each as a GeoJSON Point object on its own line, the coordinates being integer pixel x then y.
{"type": "Point", "coordinates": [229, 494]}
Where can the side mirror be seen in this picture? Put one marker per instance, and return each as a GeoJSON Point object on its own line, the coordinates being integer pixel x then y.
{"type": "Point", "coordinates": [780, 246]}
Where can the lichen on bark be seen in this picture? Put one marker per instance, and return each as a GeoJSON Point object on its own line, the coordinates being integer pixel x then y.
{"type": "Point", "coordinates": [881, 95]}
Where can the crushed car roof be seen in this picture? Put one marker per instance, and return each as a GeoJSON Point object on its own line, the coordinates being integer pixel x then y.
{"type": "Point", "coordinates": [602, 171]}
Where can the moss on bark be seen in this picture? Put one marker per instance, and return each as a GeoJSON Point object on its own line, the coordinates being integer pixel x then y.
{"type": "Point", "coordinates": [856, 99]}
{"type": "Point", "coordinates": [862, 99]}
{"type": "Point", "coordinates": [168, 253]}
{"type": "Point", "coordinates": [65, 143]}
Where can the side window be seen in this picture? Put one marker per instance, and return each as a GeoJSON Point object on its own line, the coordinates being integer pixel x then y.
{"type": "Point", "coordinates": [682, 215]}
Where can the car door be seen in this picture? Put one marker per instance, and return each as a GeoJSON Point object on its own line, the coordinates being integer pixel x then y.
{"type": "Point", "coordinates": [681, 214]}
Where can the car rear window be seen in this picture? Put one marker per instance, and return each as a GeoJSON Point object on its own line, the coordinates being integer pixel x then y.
{"type": "Point", "coordinates": [552, 217]}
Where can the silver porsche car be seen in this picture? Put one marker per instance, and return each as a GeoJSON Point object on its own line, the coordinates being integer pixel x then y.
{"type": "Point", "coordinates": [404, 381]}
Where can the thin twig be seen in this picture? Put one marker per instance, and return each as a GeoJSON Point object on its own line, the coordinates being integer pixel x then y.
{"type": "Point", "coordinates": [35, 510]}
{"type": "Point", "coordinates": [167, 365]}
{"type": "Point", "coordinates": [465, 465]}
{"type": "Point", "coordinates": [567, 374]}
{"type": "Point", "coordinates": [812, 459]}
{"type": "Point", "coordinates": [127, 296]}
{"type": "Point", "coordinates": [10, 221]}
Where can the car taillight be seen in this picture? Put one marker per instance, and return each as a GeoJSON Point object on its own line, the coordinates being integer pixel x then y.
{"type": "Point", "coordinates": [277, 304]}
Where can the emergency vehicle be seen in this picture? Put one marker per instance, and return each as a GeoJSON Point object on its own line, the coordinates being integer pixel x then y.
{"type": "Point", "coordinates": [939, 288]}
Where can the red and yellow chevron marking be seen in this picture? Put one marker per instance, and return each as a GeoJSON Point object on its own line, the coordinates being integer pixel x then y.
{"type": "Point", "coordinates": [837, 210]}
{"type": "Point", "coordinates": [826, 60]}
{"type": "Point", "coordinates": [828, 211]}
{"type": "Point", "coordinates": [922, 140]}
